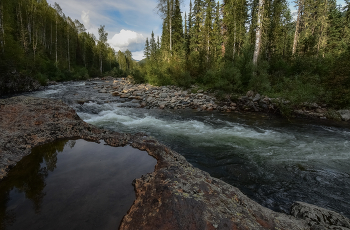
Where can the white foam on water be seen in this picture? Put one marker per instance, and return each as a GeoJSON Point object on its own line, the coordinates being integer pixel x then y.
{"type": "Point", "coordinates": [274, 145]}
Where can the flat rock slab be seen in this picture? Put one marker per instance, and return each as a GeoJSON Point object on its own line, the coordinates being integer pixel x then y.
{"type": "Point", "coordinates": [175, 196]}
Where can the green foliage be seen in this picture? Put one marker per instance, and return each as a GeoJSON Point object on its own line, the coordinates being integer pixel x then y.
{"type": "Point", "coordinates": [41, 78]}
{"type": "Point", "coordinates": [218, 51]}
{"type": "Point", "coordinates": [115, 72]}
{"type": "Point", "coordinates": [81, 74]}
{"type": "Point", "coordinates": [37, 39]}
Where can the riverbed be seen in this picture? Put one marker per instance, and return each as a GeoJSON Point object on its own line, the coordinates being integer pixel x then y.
{"type": "Point", "coordinates": [272, 160]}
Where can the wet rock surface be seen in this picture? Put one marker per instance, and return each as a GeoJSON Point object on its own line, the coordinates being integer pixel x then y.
{"type": "Point", "coordinates": [175, 196]}
{"type": "Point", "coordinates": [319, 218]}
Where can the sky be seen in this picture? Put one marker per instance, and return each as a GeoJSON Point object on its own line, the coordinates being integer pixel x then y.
{"type": "Point", "coordinates": [128, 22]}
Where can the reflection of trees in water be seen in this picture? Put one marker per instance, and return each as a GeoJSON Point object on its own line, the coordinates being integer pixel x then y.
{"type": "Point", "coordinates": [28, 177]}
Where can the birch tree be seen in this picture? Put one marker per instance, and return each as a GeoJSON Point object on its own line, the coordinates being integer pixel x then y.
{"type": "Point", "coordinates": [258, 32]}
{"type": "Point", "coordinates": [58, 14]}
{"type": "Point", "coordinates": [102, 43]}
{"type": "Point", "coordinates": [300, 4]}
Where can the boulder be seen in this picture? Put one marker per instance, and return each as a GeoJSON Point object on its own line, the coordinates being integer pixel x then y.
{"type": "Point", "coordinates": [257, 97]}
{"type": "Point", "coordinates": [149, 99]}
{"type": "Point", "coordinates": [345, 114]}
{"type": "Point", "coordinates": [250, 93]}
{"type": "Point", "coordinates": [319, 218]}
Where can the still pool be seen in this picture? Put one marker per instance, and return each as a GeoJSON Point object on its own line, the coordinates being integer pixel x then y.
{"type": "Point", "coordinates": [72, 184]}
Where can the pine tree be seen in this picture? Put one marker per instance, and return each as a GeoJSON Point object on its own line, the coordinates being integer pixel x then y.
{"type": "Point", "coordinates": [207, 30]}
{"type": "Point", "coordinates": [217, 37]}
{"type": "Point", "coordinates": [147, 51]}
{"type": "Point", "coordinates": [177, 29]}
{"type": "Point", "coordinates": [153, 46]}
{"type": "Point", "coordinates": [235, 19]}
{"type": "Point", "coordinates": [165, 44]}
{"type": "Point", "coordinates": [197, 24]}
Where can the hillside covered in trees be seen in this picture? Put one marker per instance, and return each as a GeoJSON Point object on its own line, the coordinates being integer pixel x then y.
{"type": "Point", "coordinates": [255, 45]}
{"type": "Point", "coordinates": [39, 41]}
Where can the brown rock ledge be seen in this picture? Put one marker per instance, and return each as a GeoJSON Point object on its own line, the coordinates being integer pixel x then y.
{"type": "Point", "coordinates": [175, 196]}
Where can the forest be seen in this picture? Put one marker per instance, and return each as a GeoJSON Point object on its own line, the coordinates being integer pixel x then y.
{"type": "Point", "coordinates": [255, 45]}
{"type": "Point", "coordinates": [227, 48]}
{"type": "Point", "coordinates": [39, 41]}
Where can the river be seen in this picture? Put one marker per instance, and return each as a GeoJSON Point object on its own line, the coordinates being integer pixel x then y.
{"type": "Point", "coordinates": [270, 159]}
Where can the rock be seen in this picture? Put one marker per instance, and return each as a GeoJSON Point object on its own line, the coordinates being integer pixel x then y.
{"type": "Point", "coordinates": [319, 111]}
{"type": "Point", "coordinates": [200, 91]}
{"type": "Point", "coordinates": [102, 91]}
{"type": "Point", "coordinates": [143, 104]}
{"type": "Point", "coordinates": [149, 99]}
{"type": "Point", "coordinates": [345, 114]}
{"type": "Point", "coordinates": [319, 218]}
{"type": "Point", "coordinates": [250, 93]}
{"type": "Point", "coordinates": [115, 93]}
{"type": "Point", "coordinates": [135, 101]}
{"type": "Point", "coordinates": [81, 102]}
{"type": "Point", "coordinates": [124, 96]}
{"type": "Point", "coordinates": [257, 97]}
{"type": "Point", "coordinates": [163, 95]}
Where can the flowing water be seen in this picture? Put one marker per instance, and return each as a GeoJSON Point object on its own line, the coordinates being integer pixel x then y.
{"type": "Point", "coordinates": [272, 160]}
{"type": "Point", "coordinates": [72, 184]}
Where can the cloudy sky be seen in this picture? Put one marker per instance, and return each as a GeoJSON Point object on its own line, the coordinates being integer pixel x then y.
{"type": "Point", "coordinates": [128, 22]}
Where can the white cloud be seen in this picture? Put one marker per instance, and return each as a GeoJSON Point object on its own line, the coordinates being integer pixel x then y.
{"type": "Point", "coordinates": [85, 18]}
{"type": "Point", "coordinates": [127, 39]}
{"type": "Point", "coordinates": [138, 55]}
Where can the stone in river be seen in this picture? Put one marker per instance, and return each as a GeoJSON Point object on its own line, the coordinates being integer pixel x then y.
{"type": "Point", "coordinates": [345, 114]}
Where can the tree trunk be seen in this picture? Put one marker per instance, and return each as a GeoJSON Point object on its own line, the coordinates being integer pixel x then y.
{"type": "Point", "coordinates": [68, 46]}
{"type": "Point", "coordinates": [296, 34]}
{"type": "Point", "coordinates": [170, 15]}
{"type": "Point", "coordinates": [56, 38]}
{"type": "Point", "coordinates": [101, 63]}
{"type": "Point", "coordinates": [258, 32]}
{"type": "Point", "coordinates": [2, 30]}
{"type": "Point", "coordinates": [51, 40]}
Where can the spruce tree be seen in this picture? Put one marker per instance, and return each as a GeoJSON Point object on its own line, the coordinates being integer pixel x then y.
{"type": "Point", "coordinates": [217, 37]}
{"type": "Point", "coordinates": [147, 51]}
{"type": "Point", "coordinates": [153, 46]}
{"type": "Point", "coordinates": [197, 24]}
{"type": "Point", "coordinates": [207, 30]}
{"type": "Point", "coordinates": [177, 29]}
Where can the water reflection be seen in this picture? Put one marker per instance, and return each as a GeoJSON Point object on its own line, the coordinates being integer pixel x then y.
{"type": "Point", "coordinates": [28, 177]}
{"type": "Point", "coordinates": [78, 183]}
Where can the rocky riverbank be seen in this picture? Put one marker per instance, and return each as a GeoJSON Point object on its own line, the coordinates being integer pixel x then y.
{"type": "Point", "coordinates": [172, 97]}
{"type": "Point", "coordinates": [175, 196]}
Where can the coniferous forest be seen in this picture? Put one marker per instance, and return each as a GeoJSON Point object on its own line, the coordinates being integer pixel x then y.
{"type": "Point", "coordinates": [39, 41]}
{"type": "Point", "coordinates": [255, 45]}
{"type": "Point", "coordinates": [227, 48]}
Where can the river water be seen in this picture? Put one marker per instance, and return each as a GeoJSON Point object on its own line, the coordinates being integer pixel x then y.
{"type": "Point", "coordinates": [271, 160]}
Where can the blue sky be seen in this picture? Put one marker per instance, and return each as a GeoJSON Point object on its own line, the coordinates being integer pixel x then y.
{"type": "Point", "coordinates": [128, 22]}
